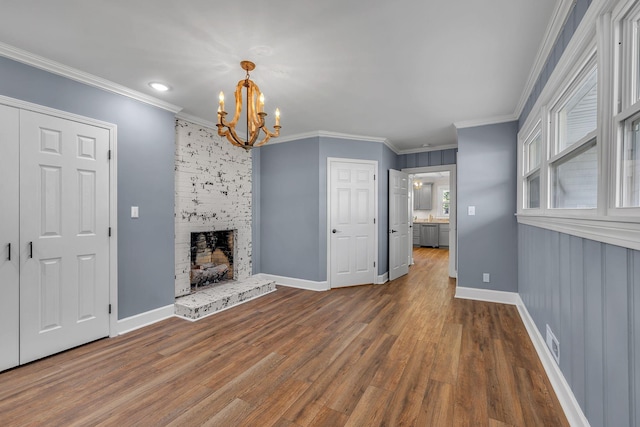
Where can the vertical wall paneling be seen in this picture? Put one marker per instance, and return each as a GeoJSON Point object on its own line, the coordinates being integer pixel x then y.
{"type": "Point", "coordinates": [564, 327]}
{"type": "Point", "coordinates": [577, 326]}
{"type": "Point", "coordinates": [594, 329]}
{"type": "Point", "coordinates": [589, 293]}
{"type": "Point", "coordinates": [616, 336]}
{"type": "Point", "coordinates": [634, 308]}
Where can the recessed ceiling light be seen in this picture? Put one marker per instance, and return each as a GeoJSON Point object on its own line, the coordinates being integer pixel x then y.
{"type": "Point", "coordinates": [426, 145]}
{"type": "Point", "coordinates": [160, 87]}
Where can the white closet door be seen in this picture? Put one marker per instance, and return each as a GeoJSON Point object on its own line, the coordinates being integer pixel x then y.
{"type": "Point", "coordinates": [352, 213]}
{"type": "Point", "coordinates": [9, 237]}
{"type": "Point", "coordinates": [64, 220]}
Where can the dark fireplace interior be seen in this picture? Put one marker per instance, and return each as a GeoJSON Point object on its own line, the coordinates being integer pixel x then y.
{"type": "Point", "coordinates": [211, 258]}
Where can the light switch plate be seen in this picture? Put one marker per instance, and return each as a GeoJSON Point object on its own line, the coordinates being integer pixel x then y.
{"type": "Point", "coordinates": [472, 210]}
{"type": "Point", "coordinates": [134, 212]}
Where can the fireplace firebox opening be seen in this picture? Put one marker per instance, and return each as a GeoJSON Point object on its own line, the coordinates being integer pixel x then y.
{"type": "Point", "coordinates": [211, 257]}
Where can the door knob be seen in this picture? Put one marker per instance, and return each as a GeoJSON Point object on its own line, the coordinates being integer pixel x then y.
{"type": "Point", "coordinates": [393, 231]}
{"type": "Point", "coordinates": [334, 231]}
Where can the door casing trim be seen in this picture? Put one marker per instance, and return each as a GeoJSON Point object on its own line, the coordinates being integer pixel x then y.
{"type": "Point", "coordinates": [374, 278]}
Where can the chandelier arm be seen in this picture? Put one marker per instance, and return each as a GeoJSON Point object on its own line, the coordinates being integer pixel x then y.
{"type": "Point", "coordinates": [238, 96]}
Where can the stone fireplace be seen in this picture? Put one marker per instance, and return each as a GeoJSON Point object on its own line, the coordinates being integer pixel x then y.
{"type": "Point", "coordinates": [212, 195]}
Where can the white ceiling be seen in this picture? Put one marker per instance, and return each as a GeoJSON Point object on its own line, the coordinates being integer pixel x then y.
{"type": "Point", "coordinates": [404, 70]}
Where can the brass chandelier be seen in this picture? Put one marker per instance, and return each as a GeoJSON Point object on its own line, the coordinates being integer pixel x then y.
{"type": "Point", "coordinates": [255, 114]}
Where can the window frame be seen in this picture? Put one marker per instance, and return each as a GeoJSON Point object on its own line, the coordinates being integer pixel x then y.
{"type": "Point", "coordinates": [598, 35]}
{"type": "Point", "coordinates": [626, 73]}
{"type": "Point", "coordinates": [440, 189]}
{"type": "Point", "coordinates": [535, 131]}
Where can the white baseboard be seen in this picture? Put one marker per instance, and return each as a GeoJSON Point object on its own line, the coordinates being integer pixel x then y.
{"type": "Point", "coordinates": [488, 295]}
{"type": "Point", "coordinates": [297, 283]}
{"type": "Point", "coordinates": [147, 318]}
{"type": "Point", "coordinates": [383, 278]}
{"type": "Point", "coordinates": [567, 399]}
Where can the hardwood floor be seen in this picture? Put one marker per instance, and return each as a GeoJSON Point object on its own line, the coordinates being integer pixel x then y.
{"type": "Point", "coordinates": [403, 353]}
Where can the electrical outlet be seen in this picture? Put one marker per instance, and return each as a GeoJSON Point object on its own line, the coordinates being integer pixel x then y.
{"type": "Point", "coordinates": [486, 277]}
{"type": "Point", "coordinates": [553, 344]}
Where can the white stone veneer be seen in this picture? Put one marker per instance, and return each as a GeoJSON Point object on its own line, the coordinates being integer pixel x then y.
{"type": "Point", "coordinates": [212, 192]}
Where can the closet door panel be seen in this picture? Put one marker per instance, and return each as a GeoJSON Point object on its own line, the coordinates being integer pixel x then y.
{"type": "Point", "coordinates": [9, 237]}
{"type": "Point", "coordinates": [64, 197]}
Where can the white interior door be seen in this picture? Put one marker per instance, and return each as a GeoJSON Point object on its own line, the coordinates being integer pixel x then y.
{"type": "Point", "coordinates": [9, 238]}
{"type": "Point", "coordinates": [352, 228]}
{"type": "Point", "coordinates": [64, 220]}
{"type": "Point", "coordinates": [398, 224]}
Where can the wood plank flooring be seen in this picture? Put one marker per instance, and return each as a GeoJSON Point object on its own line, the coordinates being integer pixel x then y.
{"type": "Point", "coordinates": [403, 353]}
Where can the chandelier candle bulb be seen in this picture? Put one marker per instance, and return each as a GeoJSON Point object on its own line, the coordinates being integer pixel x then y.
{"type": "Point", "coordinates": [221, 98]}
{"type": "Point", "coordinates": [277, 117]}
{"type": "Point", "coordinates": [261, 103]}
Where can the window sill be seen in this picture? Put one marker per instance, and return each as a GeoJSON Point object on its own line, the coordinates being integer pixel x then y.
{"type": "Point", "coordinates": [605, 230]}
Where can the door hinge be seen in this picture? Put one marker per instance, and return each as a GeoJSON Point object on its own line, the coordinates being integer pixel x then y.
{"type": "Point", "coordinates": [374, 176]}
{"type": "Point", "coordinates": [109, 231]}
{"type": "Point", "coordinates": [374, 263]}
{"type": "Point", "coordinates": [109, 155]}
{"type": "Point", "coordinates": [109, 308]}
{"type": "Point", "coordinates": [374, 220]}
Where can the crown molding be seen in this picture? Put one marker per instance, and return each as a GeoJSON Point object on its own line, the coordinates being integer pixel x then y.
{"type": "Point", "coordinates": [555, 26]}
{"type": "Point", "coordinates": [82, 77]}
{"type": "Point", "coordinates": [335, 135]}
{"type": "Point", "coordinates": [428, 149]}
{"type": "Point", "coordinates": [488, 121]}
{"type": "Point", "coordinates": [196, 120]}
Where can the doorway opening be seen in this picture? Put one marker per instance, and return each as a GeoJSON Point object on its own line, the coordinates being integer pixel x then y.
{"type": "Point", "coordinates": [432, 208]}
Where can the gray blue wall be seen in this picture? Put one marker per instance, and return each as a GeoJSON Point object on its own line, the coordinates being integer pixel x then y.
{"type": "Point", "coordinates": [487, 242]}
{"type": "Point", "coordinates": [146, 138]}
{"type": "Point", "coordinates": [288, 189]}
{"type": "Point", "coordinates": [290, 234]}
{"type": "Point", "coordinates": [589, 294]}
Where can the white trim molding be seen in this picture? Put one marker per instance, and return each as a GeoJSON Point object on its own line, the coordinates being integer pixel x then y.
{"type": "Point", "coordinates": [487, 295]}
{"type": "Point", "coordinates": [563, 391]}
{"type": "Point", "coordinates": [605, 230]}
{"type": "Point", "coordinates": [196, 120]}
{"type": "Point", "coordinates": [567, 399]}
{"type": "Point", "coordinates": [147, 318]}
{"type": "Point", "coordinates": [487, 121]}
{"type": "Point", "coordinates": [335, 135]}
{"type": "Point", "coordinates": [556, 24]}
{"type": "Point", "coordinates": [292, 282]}
{"type": "Point", "coordinates": [428, 149]}
{"type": "Point", "coordinates": [42, 63]}
{"type": "Point", "coordinates": [382, 279]}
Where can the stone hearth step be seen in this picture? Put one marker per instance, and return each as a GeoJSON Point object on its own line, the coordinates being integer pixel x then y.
{"type": "Point", "coordinates": [222, 296]}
